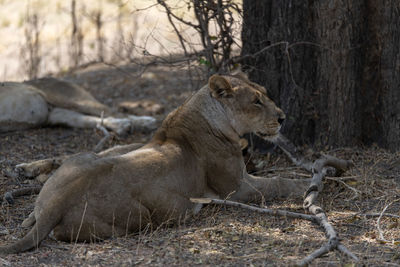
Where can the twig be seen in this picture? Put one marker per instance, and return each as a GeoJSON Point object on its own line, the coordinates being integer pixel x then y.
{"type": "Point", "coordinates": [320, 218]}
{"type": "Point", "coordinates": [357, 192]}
{"type": "Point", "coordinates": [378, 223]}
{"type": "Point", "coordinates": [5, 262]}
{"type": "Point", "coordinates": [80, 226]}
{"type": "Point", "coordinates": [292, 152]}
{"type": "Point", "coordinates": [107, 135]}
{"type": "Point", "coordinates": [178, 34]}
{"type": "Point", "coordinates": [379, 215]}
{"type": "Point", "coordinates": [371, 214]}
{"type": "Point", "coordinates": [333, 239]}
{"type": "Point", "coordinates": [274, 212]}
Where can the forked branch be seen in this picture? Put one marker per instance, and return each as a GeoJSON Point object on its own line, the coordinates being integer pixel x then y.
{"type": "Point", "coordinates": [319, 170]}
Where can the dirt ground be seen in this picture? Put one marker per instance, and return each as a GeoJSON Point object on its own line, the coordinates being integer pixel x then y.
{"type": "Point", "coordinates": [217, 236]}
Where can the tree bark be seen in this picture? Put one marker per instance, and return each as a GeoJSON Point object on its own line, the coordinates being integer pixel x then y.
{"type": "Point", "coordinates": [338, 81]}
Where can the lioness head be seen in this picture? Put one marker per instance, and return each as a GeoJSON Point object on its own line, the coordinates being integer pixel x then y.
{"type": "Point", "coordinates": [247, 104]}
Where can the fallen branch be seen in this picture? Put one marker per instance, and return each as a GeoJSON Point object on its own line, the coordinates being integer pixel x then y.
{"type": "Point", "coordinates": [319, 218]}
{"type": "Point", "coordinates": [319, 170]}
{"type": "Point", "coordinates": [274, 212]}
{"type": "Point", "coordinates": [107, 135]}
{"type": "Point", "coordinates": [369, 215]}
{"type": "Point", "coordinates": [357, 192]}
{"type": "Point", "coordinates": [5, 262]}
{"type": "Point", "coordinates": [379, 215]}
{"type": "Point", "coordinates": [378, 223]}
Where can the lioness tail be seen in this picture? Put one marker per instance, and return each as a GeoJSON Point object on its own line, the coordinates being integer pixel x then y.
{"type": "Point", "coordinates": [44, 224]}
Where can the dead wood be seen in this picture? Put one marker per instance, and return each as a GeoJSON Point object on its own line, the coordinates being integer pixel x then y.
{"type": "Point", "coordinates": [378, 223]}
{"type": "Point", "coordinates": [274, 212]}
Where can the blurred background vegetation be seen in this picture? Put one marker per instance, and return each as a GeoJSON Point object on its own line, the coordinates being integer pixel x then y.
{"type": "Point", "coordinates": [42, 37]}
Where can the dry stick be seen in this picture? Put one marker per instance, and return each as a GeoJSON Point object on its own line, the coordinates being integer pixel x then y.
{"type": "Point", "coordinates": [5, 262]}
{"type": "Point", "coordinates": [274, 212]}
{"type": "Point", "coordinates": [80, 226]}
{"type": "Point", "coordinates": [369, 215]}
{"type": "Point", "coordinates": [378, 215]}
{"type": "Point", "coordinates": [357, 192]}
{"type": "Point", "coordinates": [319, 218]}
{"type": "Point", "coordinates": [381, 237]}
{"type": "Point", "coordinates": [107, 135]}
{"type": "Point", "coordinates": [319, 169]}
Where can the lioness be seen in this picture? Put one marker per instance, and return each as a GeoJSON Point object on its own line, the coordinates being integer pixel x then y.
{"type": "Point", "coordinates": [52, 101]}
{"type": "Point", "coordinates": [195, 153]}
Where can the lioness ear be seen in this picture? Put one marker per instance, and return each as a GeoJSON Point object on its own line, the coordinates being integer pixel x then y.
{"type": "Point", "coordinates": [219, 86]}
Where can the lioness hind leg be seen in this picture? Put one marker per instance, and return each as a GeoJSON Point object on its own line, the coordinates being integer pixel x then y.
{"type": "Point", "coordinates": [73, 119]}
{"type": "Point", "coordinates": [94, 221]}
{"type": "Point", "coordinates": [70, 118]}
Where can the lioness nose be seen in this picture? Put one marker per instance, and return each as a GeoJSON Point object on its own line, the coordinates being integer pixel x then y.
{"type": "Point", "coordinates": [281, 116]}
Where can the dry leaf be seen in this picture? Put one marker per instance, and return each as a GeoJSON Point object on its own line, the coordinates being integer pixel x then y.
{"type": "Point", "coordinates": [235, 238]}
{"type": "Point", "coordinates": [352, 182]}
{"type": "Point", "coordinates": [194, 250]}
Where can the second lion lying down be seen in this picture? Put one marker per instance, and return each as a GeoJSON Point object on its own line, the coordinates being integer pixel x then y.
{"type": "Point", "coordinates": [195, 153]}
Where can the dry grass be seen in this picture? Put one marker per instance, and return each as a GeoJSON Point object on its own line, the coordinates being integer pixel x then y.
{"type": "Point", "coordinates": [217, 235]}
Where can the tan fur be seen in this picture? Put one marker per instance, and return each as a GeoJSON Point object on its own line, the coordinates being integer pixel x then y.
{"type": "Point", "coordinates": [195, 153]}
{"type": "Point", "coordinates": [67, 95]}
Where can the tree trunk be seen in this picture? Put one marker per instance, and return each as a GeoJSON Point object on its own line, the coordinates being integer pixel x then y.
{"type": "Point", "coordinates": [337, 78]}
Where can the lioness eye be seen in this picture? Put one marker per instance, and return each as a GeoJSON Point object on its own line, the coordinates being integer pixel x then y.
{"type": "Point", "coordinates": [257, 102]}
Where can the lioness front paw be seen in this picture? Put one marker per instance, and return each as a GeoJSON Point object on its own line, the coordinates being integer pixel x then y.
{"type": "Point", "coordinates": [37, 168]}
{"type": "Point", "coordinates": [28, 170]}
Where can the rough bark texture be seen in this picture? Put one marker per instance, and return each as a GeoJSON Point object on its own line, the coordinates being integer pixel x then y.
{"type": "Point", "coordinates": [339, 83]}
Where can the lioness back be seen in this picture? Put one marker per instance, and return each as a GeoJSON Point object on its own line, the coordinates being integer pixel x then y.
{"type": "Point", "coordinates": [64, 94]}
